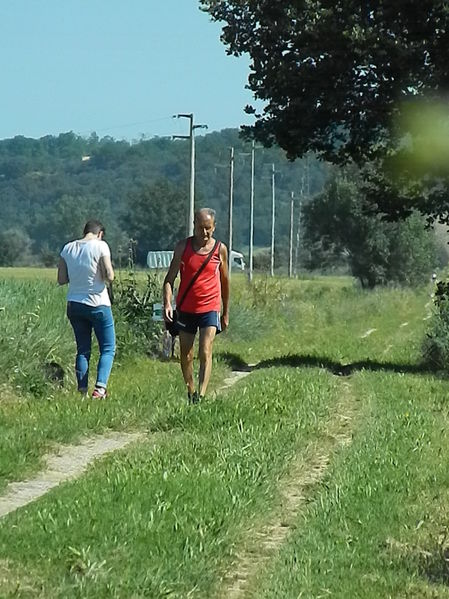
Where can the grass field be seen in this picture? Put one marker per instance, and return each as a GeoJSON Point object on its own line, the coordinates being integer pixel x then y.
{"type": "Point", "coordinates": [323, 472]}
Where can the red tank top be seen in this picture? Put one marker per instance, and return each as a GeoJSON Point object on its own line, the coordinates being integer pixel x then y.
{"type": "Point", "coordinates": [205, 294]}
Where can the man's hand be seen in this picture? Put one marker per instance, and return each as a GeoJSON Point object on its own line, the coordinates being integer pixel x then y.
{"type": "Point", "coordinates": [224, 321]}
{"type": "Point", "coordinates": [167, 289]}
{"type": "Point", "coordinates": [168, 313]}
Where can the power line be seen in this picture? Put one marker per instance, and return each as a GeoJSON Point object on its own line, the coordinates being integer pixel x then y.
{"type": "Point", "coordinates": [127, 125]}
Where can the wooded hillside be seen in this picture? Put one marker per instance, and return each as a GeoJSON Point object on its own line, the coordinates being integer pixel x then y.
{"type": "Point", "coordinates": [50, 186]}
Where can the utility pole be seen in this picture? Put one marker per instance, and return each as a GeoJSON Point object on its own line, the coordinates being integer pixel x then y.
{"type": "Point", "coordinates": [251, 215]}
{"type": "Point", "coordinates": [273, 218]}
{"type": "Point", "coordinates": [231, 202]}
{"type": "Point", "coordinates": [290, 253]}
{"type": "Point", "coordinates": [251, 212]}
{"type": "Point", "coordinates": [191, 137]}
{"type": "Point", "coordinates": [298, 227]}
{"type": "Point", "coordinates": [304, 193]}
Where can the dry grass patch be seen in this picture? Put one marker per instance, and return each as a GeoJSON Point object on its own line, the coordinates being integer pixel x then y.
{"type": "Point", "coordinates": [15, 581]}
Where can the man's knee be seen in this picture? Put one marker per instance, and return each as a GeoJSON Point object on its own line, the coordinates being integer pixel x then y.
{"type": "Point", "coordinates": [186, 353]}
{"type": "Point", "coordinates": [205, 351]}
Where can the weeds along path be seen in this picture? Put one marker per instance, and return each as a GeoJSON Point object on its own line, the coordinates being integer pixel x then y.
{"type": "Point", "coordinates": [71, 461]}
{"type": "Point", "coordinates": [262, 544]}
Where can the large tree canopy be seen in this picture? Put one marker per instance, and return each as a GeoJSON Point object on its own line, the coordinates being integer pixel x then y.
{"type": "Point", "coordinates": [337, 78]}
{"type": "Point", "coordinates": [334, 72]}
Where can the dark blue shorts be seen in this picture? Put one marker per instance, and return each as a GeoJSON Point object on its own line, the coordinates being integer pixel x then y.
{"type": "Point", "coordinates": [190, 323]}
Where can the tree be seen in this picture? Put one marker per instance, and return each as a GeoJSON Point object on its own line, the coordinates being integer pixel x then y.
{"type": "Point", "coordinates": [65, 220]}
{"type": "Point", "coordinates": [413, 252]}
{"type": "Point", "coordinates": [156, 217]}
{"type": "Point", "coordinates": [337, 78]}
{"type": "Point", "coordinates": [332, 71]}
{"type": "Point", "coordinates": [15, 246]}
{"type": "Point", "coordinates": [337, 229]}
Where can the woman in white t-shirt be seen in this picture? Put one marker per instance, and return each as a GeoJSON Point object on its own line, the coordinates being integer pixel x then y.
{"type": "Point", "coordinates": [85, 264]}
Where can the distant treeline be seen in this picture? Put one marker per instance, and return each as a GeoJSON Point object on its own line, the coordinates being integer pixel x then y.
{"type": "Point", "coordinates": [50, 186]}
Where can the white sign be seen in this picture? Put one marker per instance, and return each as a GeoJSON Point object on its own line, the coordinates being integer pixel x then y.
{"type": "Point", "coordinates": [158, 313]}
{"type": "Point", "coordinates": [159, 259]}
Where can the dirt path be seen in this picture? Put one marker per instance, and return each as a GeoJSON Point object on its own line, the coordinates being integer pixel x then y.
{"type": "Point", "coordinates": [233, 378]}
{"type": "Point", "coordinates": [72, 460]}
{"type": "Point", "coordinates": [306, 471]}
{"type": "Point", "coordinates": [68, 463]}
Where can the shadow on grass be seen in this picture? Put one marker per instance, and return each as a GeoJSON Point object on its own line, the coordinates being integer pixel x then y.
{"type": "Point", "coordinates": [430, 564]}
{"type": "Point", "coordinates": [435, 567]}
{"type": "Point", "coordinates": [236, 362]}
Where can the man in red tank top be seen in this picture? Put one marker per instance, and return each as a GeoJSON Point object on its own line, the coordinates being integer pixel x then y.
{"type": "Point", "coordinates": [199, 306]}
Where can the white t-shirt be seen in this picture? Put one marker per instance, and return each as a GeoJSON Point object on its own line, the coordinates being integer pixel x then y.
{"type": "Point", "coordinates": [83, 265]}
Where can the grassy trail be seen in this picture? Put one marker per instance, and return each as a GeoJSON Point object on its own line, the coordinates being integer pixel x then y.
{"type": "Point", "coordinates": [307, 470]}
{"type": "Point", "coordinates": [294, 482]}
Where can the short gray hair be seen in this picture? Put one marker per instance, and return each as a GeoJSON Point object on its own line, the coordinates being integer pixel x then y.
{"type": "Point", "coordinates": [209, 211]}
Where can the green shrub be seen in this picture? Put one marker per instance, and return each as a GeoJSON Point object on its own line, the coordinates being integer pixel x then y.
{"type": "Point", "coordinates": [133, 306]}
{"type": "Point", "coordinates": [436, 342]}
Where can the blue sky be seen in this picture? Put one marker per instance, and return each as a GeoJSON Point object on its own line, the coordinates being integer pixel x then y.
{"type": "Point", "coordinates": [118, 68]}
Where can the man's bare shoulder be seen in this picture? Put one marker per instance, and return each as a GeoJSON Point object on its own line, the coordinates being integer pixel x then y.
{"type": "Point", "coordinates": [180, 246]}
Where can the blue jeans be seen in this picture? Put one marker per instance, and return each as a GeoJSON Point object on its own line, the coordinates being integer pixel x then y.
{"type": "Point", "coordinates": [83, 319]}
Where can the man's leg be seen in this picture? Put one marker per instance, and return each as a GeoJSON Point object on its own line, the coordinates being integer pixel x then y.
{"type": "Point", "coordinates": [207, 336]}
{"type": "Point", "coordinates": [186, 341]}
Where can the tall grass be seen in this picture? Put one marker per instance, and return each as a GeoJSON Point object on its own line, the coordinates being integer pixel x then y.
{"type": "Point", "coordinates": [34, 332]}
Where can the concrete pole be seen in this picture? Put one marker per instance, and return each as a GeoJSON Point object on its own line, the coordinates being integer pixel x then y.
{"type": "Point", "coordinates": [231, 202]}
{"type": "Point", "coordinates": [192, 180]}
{"type": "Point", "coordinates": [251, 216]}
{"type": "Point", "coordinates": [290, 254]}
{"type": "Point", "coordinates": [298, 236]}
{"type": "Point", "coordinates": [298, 226]}
{"type": "Point", "coordinates": [191, 137]}
{"type": "Point", "coordinates": [273, 218]}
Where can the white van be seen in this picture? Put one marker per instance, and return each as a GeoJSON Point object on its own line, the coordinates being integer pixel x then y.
{"type": "Point", "coordinates": [237, 261]}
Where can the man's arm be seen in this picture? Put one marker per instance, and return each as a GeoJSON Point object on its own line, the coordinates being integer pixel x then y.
{"type": "Point", "coordinates": [169, 280]}
{"type": "Point", "coordinates": [225, 285]}
{"type": "Point", "coordinates": [63, 274]}
{"type": "Point", "coordinates": [106, 269]}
